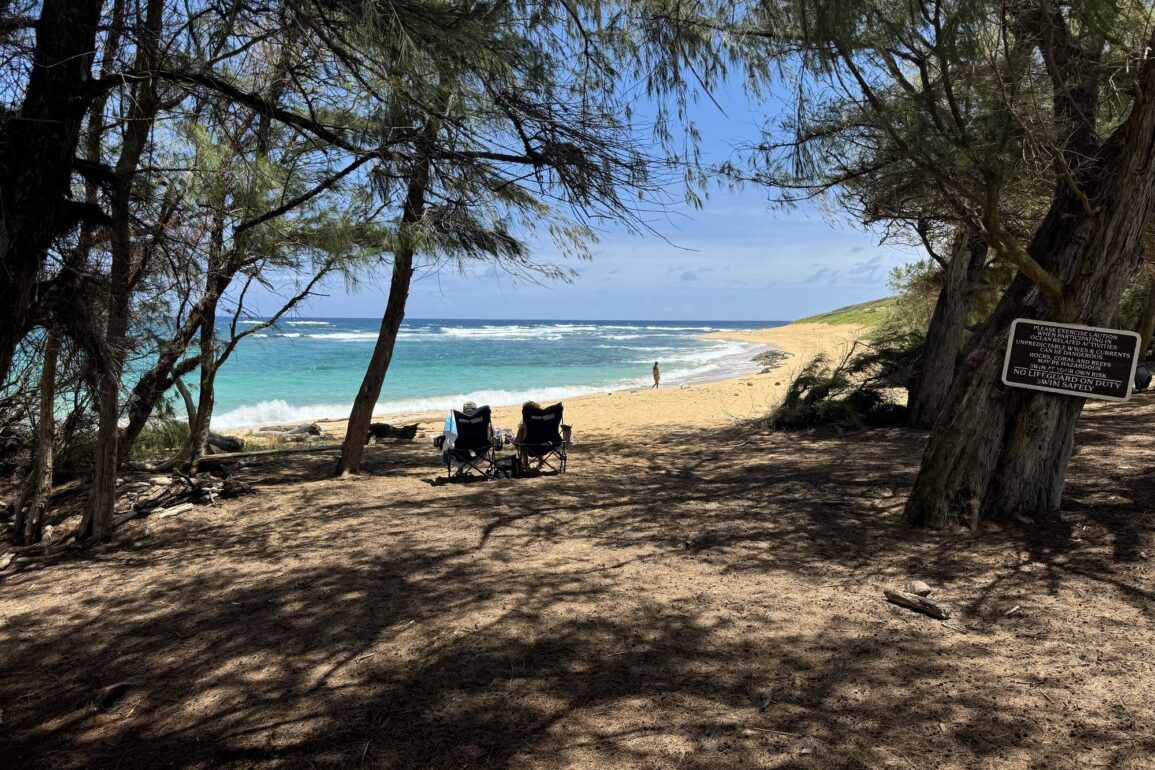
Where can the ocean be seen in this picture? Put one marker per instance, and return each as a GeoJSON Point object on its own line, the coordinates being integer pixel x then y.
{"type": "Point", "coordinates": [310, 368]}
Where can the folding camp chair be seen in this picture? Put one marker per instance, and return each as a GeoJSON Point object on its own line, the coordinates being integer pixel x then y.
{"type": "Point", "coordinates": [542, 438]}
{"type": "Point", "coordinates": [473, 451]}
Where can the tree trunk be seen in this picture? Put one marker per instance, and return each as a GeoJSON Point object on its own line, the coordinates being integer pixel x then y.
{"type": "Point", "coordinates": [102, 497]}
{"type": "Point", "coordinates": [1146, 325]}
{"type": "Point", "coordinates": [147, 394]}
{"type": "Point", "coordinates": [1000, 451]}
{"type": "Point", "coordinates": [113, 348]}
{"type": "Point", "coordinates": [362, 413]}
{"type": "Point", "coordinates": [947, 331]}
{"type": "Point", "coordinates": [199, 435]}
{"type": "Point", "coordinates": [155, 382]}
{"type": "Point", "coordinates": [37, 151]}
{"type": "Point", "coordinates": [38, 488]}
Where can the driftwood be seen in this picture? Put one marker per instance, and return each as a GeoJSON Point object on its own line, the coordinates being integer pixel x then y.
{"type": "Point", "coordinates": [174, 510]}
{"type": "Point", "coordinates": [179, 494]}
{"type": "Point", "coordinates": [226, 443]}
{"type": "Point", "coordinates": [918, 604]}
{"type": "Point", "coordinates": [302, 431]}
{"type": "Point", "coordinates": [215, 440]}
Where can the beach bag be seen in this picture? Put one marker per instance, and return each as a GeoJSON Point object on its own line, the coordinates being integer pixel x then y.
{"type": "Point", "coordinates": [508, 467]}
{"type": "Point", "coordinates": [1142, 378]}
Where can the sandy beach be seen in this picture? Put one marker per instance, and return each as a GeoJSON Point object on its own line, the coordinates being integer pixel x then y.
{"type": "Point", "coordinates": [701, 405]}
{"type": "Point", "coordinates": [682, 597]}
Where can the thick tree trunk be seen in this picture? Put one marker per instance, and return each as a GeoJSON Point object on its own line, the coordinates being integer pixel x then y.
{"type": "Point", "coordinates": [986, 428]}
{"type": "Point", "coordinates": [1000, 451]}
{"type": "Point", "coordinates": [37, 150]}
{"type": "Point", "coordinates": [1146, 324]}
{"type": "Point", "coordinates": [38, 488]}
{"type": "Point", "coordinates": [947, 331]}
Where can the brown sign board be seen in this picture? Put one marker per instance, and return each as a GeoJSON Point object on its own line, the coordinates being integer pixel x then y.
{"type": "Point", "coordinates": [1072, 360]}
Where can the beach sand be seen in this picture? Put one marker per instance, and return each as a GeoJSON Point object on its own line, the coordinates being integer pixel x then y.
{"type": "Point", "coordinates": [683, 597]}
{"type": "Point", "coordinates": [697, 405]}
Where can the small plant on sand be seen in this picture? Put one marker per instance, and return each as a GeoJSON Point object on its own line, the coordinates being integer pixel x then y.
{"type": "Point", "coordinates": [161, 437]}
{"type": "Point", "coordinates": [852, 394]}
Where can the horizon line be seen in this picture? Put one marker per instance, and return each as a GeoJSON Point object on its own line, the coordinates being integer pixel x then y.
{"type": "Point", "coordinates": [528, 318]}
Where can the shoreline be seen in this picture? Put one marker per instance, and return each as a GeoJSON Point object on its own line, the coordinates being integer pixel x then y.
{"type": "Point", "coordinates": [714, 359]}
{"type": "Point", "coordinates": [694, 403]}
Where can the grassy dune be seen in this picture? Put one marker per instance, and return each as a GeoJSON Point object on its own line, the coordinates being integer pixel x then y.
{"type": "Point", "coordinates": [867, 313]}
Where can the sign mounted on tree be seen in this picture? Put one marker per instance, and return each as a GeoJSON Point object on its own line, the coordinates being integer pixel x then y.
{"type": "Point", "coordinates": [1070, 359]}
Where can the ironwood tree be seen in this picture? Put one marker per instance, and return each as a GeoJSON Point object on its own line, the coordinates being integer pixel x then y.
{"type": "Point", "coordinates": [508, 134]}
{"type": "Point", "coordinates": [1071, 86]}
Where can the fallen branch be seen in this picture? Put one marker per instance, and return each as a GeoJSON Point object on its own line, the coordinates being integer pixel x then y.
{"type": "Point", "coordinates": [918, 604]}
{"type": "Point", "coordinates": [173, 511]}
{"type": "Point", "coordinates": [227, 443]}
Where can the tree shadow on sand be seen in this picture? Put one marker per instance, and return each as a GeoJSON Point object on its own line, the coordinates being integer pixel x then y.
{"type": "Point", "coordinates": [695, 599]}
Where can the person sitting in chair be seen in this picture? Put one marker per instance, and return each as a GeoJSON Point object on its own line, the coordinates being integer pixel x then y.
{"type": "Point", "coordinates": [522, 452]}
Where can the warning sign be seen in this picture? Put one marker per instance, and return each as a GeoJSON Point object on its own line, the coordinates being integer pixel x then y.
{"type": "Point", "coordinates": [1073, 360]}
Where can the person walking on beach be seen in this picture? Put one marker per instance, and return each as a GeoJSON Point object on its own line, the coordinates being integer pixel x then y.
{"type": "Point", "coordinates": [657, 375]}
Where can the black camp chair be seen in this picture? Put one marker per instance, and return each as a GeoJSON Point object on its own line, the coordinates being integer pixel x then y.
{"type": "Point", "coordinates": [543, 438]}
{"type": "Point", "coordinates": [473, 451]}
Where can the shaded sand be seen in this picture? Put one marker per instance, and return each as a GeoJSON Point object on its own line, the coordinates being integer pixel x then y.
{"type": "Point", "coordinates": [680, 599]}
{"type": "Point", "coordinates": [700, 405]}
{"type": "Point", "coordinates": [683, 598]}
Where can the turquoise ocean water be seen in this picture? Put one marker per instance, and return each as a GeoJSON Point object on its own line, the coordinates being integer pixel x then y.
{"type": "Point", "coordinates": [310, 368]}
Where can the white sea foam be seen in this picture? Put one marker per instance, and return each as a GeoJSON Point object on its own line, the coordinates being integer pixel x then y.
{"type": "Point", "coordinates": [281, 411]}
{"type": "Point", "coordinates": [647, 348]}
{"type": "Point", "coordinates": [308, 323]}
{"type": "Point", "coordinates": [277, 411]}
{"type": "Point", "coordinates": [727, 349]}
{"type": "Point", "coordinates": [680, 328]}
{"type": "Point", "coordinates": [346, 336]}
{"type": "Point", "coordinates": [505, 332]}
{"type": "Point", "coordinates": [519, 332]}
{"type": "Point", "coordinates": [290, 335]}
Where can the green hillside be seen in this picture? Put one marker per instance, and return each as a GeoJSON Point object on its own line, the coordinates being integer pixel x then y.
{"type": "Point", "coordinates": [869, 313]}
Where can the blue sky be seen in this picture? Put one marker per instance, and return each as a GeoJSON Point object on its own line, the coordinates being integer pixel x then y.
{"type": "Point", "coordinates": [736, 258]}
{"type": "Point", "coordinates": [731, 260]}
